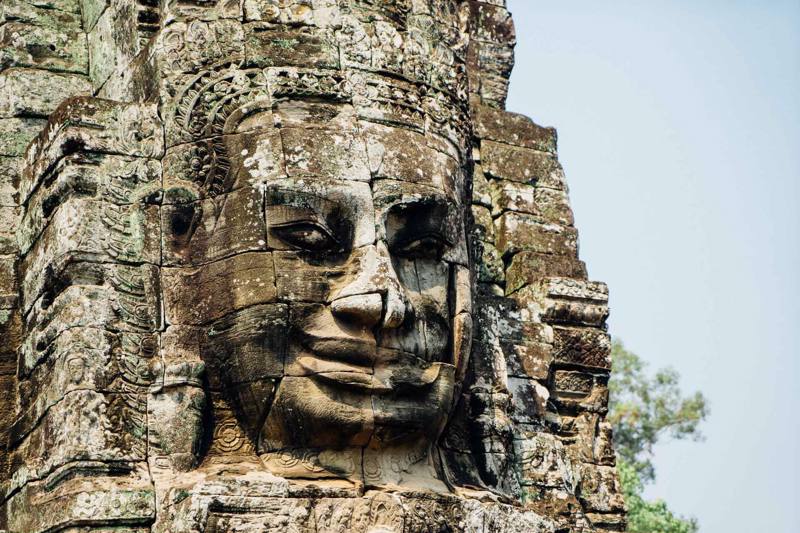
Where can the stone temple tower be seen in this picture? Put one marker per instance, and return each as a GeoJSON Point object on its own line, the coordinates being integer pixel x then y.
{"type": "Point", "coordinates": [289, 266]}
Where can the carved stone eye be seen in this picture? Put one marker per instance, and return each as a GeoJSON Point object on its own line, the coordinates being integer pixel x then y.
{"type": "Point", "coordinates": [307, 235]}
{"type": "Point", "coordinates": [426, 247]}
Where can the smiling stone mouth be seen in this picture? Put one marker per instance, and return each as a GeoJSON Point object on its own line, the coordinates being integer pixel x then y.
{"type": "Point", "coordinates": [386, 376]}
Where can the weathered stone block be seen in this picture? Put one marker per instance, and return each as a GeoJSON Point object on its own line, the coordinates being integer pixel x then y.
{"type": "Point", "coordinates": [94, 230]}
{"type": "Point", "coordinates": [298, 12]}
{"type": "Point", "coordinates": [565, 287]}
{"type": "Point", "coordinates": [117, 180]}
{"type": "Point", "coordinates": [10, 169]}
{"type": "Point", "coordinates": [483, 225]}
{"type": "Point", "coordinates": [488, 262]}
{"type": "Point", "coordinates": [10, 330]}
{"type": "Point", "coordinates": [589, 438]}
{"type": "Point", "coordinates": [176, 407]}
{"type": "Point", "coordinates": [599, 489]}
{"type": "Point", "coordinates": [574, 402]}
{"type": "Point", "coordinates": [17, 133]}
{"type": "Point", "coordinates": [586, 347]}
{"type": "Point", "coordinates": [551, 205]}
{"type": "Point", "coordinates": [339, 156]}
{"type": "Point", "coordinates": [75, 365]}
{"type": "Point", "coordinates": [218, 288]}
{"type": "Point", "coordinates": [407, 156]}
{"type": "Point", "coordinates": [90, 307]}
{"type": "Point", "coordinates": [135, 288]}
{"type": "Point", "coordinates": [523, 165]}
{"type": "Point", "coordinates": [513, 129]}
{"type": "Point", "coordinates": [85, 358]}
{"type": "Point", "coordinates": [8, 276]}
{"type": "Point", "coordinates": [247, 345]}
{"type": "Point", "coordinates": [530, 267]}
{"type": "Point", "coordinates": [137, 81]}
{"type": "Point", "coordinates": [84, 425]}
{"type": "Point", "coordinates": [543, 461]}
{"type": "Point", "coordinates": [374, 102]}
{"type": "Point", "coordinates": [268, 45]}
{"type": "Point", "coordinates": [315, 283]}
{"type": "Point", "coordinates": [85, 124]}
{"type": "Point", "coordinates": [36, 93]}
{"type": "Point", "coordinates": [481, 192]}
{"type": "Point", "coordinates": [530, 357]}
{"type": "Point", "coordinates": [518, 232]}
{"type": "Point", "coordinates": [39, 38]}
{"type": "Point", "coordinates": [558, 300]}
{"type": "Point", "coordinates": [569, 383]}
{"type": "Point", "coordinates": [113, 40]}
{"type": "Point", "coordinates": [528, 400]}
{"type": "Point", "coordinates": [495, 25]}
{"type": "Point", "coordinates": [9, 216]}
{"type": "Point", "coordinates": [603, 452]}
{"type": "Point", "coordinates": [90, 11]}
{"type": "Point", "coordinates": [8, 397]}
{"type": "Point", "coordinates": [190, 45]}
{"type": "Point", "coordinates": [250, 159]}
{"type": "Point", "coordinates": [608, 522]}
{"type": "Point", "coordinates": [520, 345]}
{"type": "Point", "coordinates": [298, 113]}
{"type": "Point", "coordinates": [196, 11]}
{"type": "Point", "coordinates": [491, 65]}
{"type": "Point", "coordinates": [70, 6]}
{"type": "Point", "coordinates": [125, 497]}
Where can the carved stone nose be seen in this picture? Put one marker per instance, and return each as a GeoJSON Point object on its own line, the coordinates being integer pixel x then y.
{"type": "Point", "coordinates": [362, 309]}
{"type": "Point", "coordinates": [375, 296]}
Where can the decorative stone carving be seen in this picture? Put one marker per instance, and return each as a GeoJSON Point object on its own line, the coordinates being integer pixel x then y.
{"type": "Point", "coordinates": [297, 270]}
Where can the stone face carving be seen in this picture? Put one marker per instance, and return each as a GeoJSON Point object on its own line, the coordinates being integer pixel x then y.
{"type": "Point", "coordinates": [332, 334]}
{"type": "Point", "coordinates": [287, 265]}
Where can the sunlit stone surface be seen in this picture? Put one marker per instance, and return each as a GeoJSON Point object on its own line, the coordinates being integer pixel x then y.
{"type": "Point", "coordinates": [288, 265]}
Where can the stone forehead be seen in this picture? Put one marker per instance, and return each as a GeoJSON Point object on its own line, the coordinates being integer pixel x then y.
{"type": "Point", "coordinates": [385, 117]}
{"type": "Point", "coordinates": [362, 153]}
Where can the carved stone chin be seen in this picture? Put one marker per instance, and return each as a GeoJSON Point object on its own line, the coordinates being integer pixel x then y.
{"type": "Point", "coordinates": [289, 266]}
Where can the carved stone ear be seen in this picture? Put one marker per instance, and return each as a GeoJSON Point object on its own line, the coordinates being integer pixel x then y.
{"type": "Point", "coordinates": [176, 409]}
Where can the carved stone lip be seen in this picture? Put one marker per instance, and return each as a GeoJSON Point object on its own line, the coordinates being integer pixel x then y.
{"type": "Point", "coordinates": [354, 352]}
{"type": "Point", "coordinates": [355, 380]}
{"type": "Point", "coordinates": [316, 365]}
{"type": "Point", "coordinates": [382, 383]}
{"type": "Point", "coordinates": [395, 378]}
{"type": "Point", "coordinates": [357, 352]}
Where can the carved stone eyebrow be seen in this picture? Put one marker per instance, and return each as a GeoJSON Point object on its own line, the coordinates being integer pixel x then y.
{"type": "Point", "coordinates": [299, 198]}
{"type": "Point", "coordinates": [282, 202]}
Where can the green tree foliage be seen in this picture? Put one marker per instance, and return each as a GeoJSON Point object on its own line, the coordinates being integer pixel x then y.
{"type": "Point", "coordinates": [645, 516]}
{"type": "Point", "coordinates": [644, 408]}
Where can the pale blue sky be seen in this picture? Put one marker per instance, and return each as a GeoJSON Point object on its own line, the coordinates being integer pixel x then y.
{"type": "Point", "coordinates": [679, 130]}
